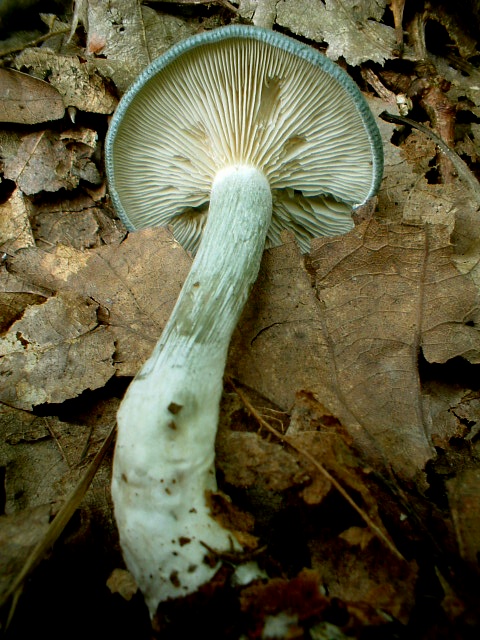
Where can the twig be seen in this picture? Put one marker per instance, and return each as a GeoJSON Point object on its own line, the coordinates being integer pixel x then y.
{"type": "Point", "coordinates": [53, 435]}
{"type": "Point", "coordinates": [55, 529]}
{"type": "Point", "coordinates": [365, 517]}
{"type": "Point", "coordinates": [228, 5]}
{"type": "Point", "coordinates": [33, 43]}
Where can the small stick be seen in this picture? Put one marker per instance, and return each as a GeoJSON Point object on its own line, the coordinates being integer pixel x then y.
{"type": "Point", "coordinates": [33, 43]}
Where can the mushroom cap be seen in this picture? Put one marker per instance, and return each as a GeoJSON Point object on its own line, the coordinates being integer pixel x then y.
{"type": "Point", "coordinates": [242, 95]}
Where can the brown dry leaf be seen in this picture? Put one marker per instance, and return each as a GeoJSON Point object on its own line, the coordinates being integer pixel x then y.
{"type": "Point", "coordinates": [387, 291]}
{"type": "Point", "coordinates": [28, 100]}
{"type": "Point", "coordinates": [48, 161]}
{"type": "Point", "coordinates": [383, 292]}
{"type": "Point", "coordinates": [33, 459]}
{"type": "Point", "coordinates": [103, 24]}
{"type": "Point", "coordinates": [400, 178]}
{"type": "Point", "coordinates": [278, 347]}
{"type": "Point", "coordinates": [356, 569]}
{"type": "Point", "coordinates": [300, 597]}
{"type": "Point", "coordinates": [55, 351]}
{"type": "Point", "coordinates": [248, 461]}
{"type": "Point", "coordinates": [77, 81]}
{"type": "Point", "coordinates": [45, 460]}
{"type": "Point", "coordinates": [15, 229]}
{"type": "Point", "coordinates": [261, 12]}
{"type": "Point", "coordinates": [318, 457]}
{"type": "Point", "coordinates": [77, 222]}
{"type": "Point", "coordinates": [464, 501]}
{"type": "Point", "coordinates": [45, 457]}
{"type": "Point", "coordinates": [353, 30]}
{"type": "Point", "coordinates": [135, 283]}
{"type": "Point", "coordinates": [129, 36]}
{"type": "Point", "coordinates": [12, 305]}
{"type": "Point", "coordinates": [418, 151]}
{"type": "Point", "coordinates": [330, 447]}
{"type": "Point", "coordinates": [453, 411]}
{"type": "Point", "coordinates": [19, 533]}
{"type": "Point", "coordinates": [16, 295]}
{"type": "Point", "coordinates": [121, 581]}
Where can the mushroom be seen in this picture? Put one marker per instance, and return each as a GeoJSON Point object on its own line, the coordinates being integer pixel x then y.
{"type": "Point", "coordinates": [228, 138]}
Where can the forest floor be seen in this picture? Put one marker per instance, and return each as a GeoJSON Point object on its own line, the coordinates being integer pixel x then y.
{"type": "Point", "coordinates": [349, 440]}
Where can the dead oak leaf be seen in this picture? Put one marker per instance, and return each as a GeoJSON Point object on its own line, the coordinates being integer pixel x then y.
{"type": "Point", "coordinates": [388, 291]}
{"type": "Point", "coordinates": [130, 35]}
{"type": "Point", "coordinates": [464, 501]}
{"type": "Point", "coordinates": [136, 284]}
{"type": "Point", "coordinates": [248, 461]}
{"type": "Point", "coordinates": [55, 351]}
{"type": "Point", "coordinates": [15, 229]}
{"type": "Point", "coordinates": [76, 80]}
{"type": "Point", "coordinates": [454, 409]}
{"type": "Point", "coordinates": [78, 221]}
{"type": "Point", "coordinates": [355, 569]}
{"type": "Point", "coordinates": [353, 30]}
{"type": "Point", "coordinates": [19, 533]}
{"type": "Point", "coordinates": [33, 460]}
{"type": "Point", "coordinates": [318, 455]}
{"type": "Point", "coordinates": [383, 292]}
{"type": "Point", "coordinates": [44, 459]}
{"type": "Point", "coordinates": [48, 161]}
{"type": "Point", "coordinates": [28, 100]}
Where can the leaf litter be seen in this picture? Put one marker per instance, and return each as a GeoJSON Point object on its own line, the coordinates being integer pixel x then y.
{"type": "Point", "coordinates": [349, 424]}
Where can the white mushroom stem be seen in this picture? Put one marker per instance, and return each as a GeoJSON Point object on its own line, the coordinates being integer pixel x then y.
{"type": "Point", "coordinates": [167, 422]}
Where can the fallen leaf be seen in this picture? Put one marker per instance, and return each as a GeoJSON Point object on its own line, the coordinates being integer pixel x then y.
{"type": "Point", "coordinates": [54, 352]}
{"type": "Point", "coordinates": [464, 501]}
{"type": "Point", "coordinates": [27, 100]}
{"type": "Point", "coordinates": [299, 596]}
{"type": "Point", "coordinates": [34, 464]}
{"type": "Point", "coordinates": [79, 221]}
{"type": "Point", "coordinates": [78, 82]}
{"type": "Point", "coordinates": [121, 581]}
{"type": "Point", "coordinates": [131, 36]}
{"type": "Point", "coordinates": [355, 569]}
{"type": "Point", "coordinates": [48, 161]}
{"type": "Point", "coordinates": [261, 12]}
{"type": "Point", "coordinates": [318, 458]}
{"type": "Point", "coordinates": [353, 30]}
{"type": "Point", "coordinates": [447, 404]}
{"type": "Point", "coordinates": [136, 283]}
{"type": "Point", "coordinates": [15, 229]}
{"type": "Point", "coordinates": [70, 503]}
{"type": "Point", "coordinates": [19, 533]}
{"type": "Point", "coordinates": [249, 461]}
{"type": "Point", "coordinates": [383, 292]}
{"type": "Point", "coordinates": [44, 459]}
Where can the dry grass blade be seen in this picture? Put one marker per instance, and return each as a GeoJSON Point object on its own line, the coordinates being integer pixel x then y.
{"type": "Point", "coordinates": [321, 469]}
{"type": "Point", "coordinates": [54, 530]}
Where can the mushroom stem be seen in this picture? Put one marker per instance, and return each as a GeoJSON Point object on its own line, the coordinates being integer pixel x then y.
{"type": "Point", "coordinates": [167, 422]}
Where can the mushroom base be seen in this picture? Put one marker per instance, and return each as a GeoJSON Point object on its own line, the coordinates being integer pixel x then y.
{"type": "Point", "coordinates": [167, 422]}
